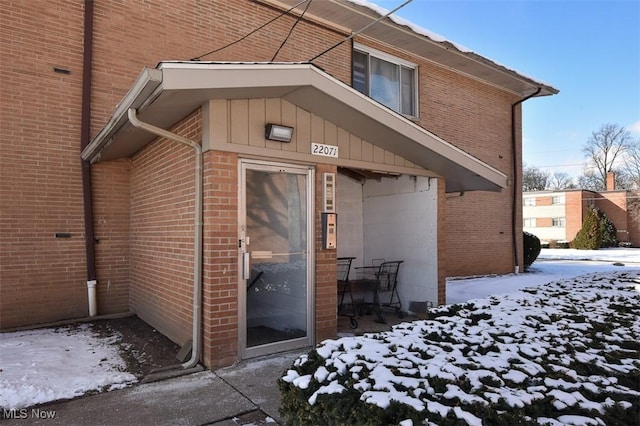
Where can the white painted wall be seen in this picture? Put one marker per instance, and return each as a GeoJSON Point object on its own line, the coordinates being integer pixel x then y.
{"type": "Point", "coordinates": [350, 223]}
{"type": "Point", "coordinates": [545, 233]}
{"type": "Point", "coordinates": [396, 220]}
{"type": "Point", "coordinates": [548, 233]}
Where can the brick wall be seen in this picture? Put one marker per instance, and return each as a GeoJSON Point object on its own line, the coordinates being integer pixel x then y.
{"type": "Point", "coordinates": [40, 176]}
{"type": "Point", "coordinates": [162, 232]}
{"type": "Point", "coordinates": [40, 119]}
{"type": "Point", "coordinates": [111, 182]}
{"type": "Point", "coordinates": [614, 205]}
{"type": "Point", "coordinates": [543, 201]}
{"type": "Point", "coordinates": [575, 207]}
{"type": "Point", "coordinates": [220, 248]}
{"type": "Point", "coordinates": [544, 222]}
{"type": "Point", "coordinates": [326, 299]}
{"type": "Point", "coordinates": [476, 118]}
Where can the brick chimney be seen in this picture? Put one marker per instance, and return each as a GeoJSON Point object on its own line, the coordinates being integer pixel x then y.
{"type": "Point", "coordinates": [611, 181]}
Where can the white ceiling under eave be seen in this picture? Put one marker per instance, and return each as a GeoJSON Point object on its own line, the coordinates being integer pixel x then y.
{"type": "Point", "coordinates": [167, 94]}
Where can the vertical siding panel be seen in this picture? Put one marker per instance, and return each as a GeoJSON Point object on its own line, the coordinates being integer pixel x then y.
{"type": "Point", "coordinates": [257, 122]}
{"type": "Point", "coordinates": [239, 122]}
{"type": "Point", "coordinates": [289, 119]}
{"type": "Point", "coordinates": [367, 151]}
{"type": "Point", "coordinates": [317, 129]}
{"type": "Point", "coordinates": [378, 154]}
{"type": "Point", "coordinates": [330, 133]}
{"type": "Point", "coordinates": [389, 157]}
{"type": "Point", "coordinates": [273, 114]}
{"type": "Point", "coordinates": [343, 143]}
{"type": "Point", "coordinates": [219, 121]}
{"type": "Point", "coordinates": [303, 130]}
{"type": "Point", "coordinates": [355, 148]}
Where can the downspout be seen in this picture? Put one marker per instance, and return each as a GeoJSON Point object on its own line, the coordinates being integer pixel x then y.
{"type": "Point", "coordinates": [197, 241]}
{"type": "Point", "coordinates": [85, 136]}
{"type": "Point", "coordinates": [514, 204]}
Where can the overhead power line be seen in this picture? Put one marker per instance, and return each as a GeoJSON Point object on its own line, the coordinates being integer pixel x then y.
{"type": "Point", "coordinates": [197, 58]}
{"type": "Point", "coordinates": [291, 30]}
{"type": "Point", "coordinates": [360, 30]}
{"type": "Point", "coordinates": [562, 165]}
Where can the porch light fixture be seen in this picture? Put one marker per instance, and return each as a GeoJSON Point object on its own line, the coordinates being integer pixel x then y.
{"type": "Point", "coordinates": [276, 132]}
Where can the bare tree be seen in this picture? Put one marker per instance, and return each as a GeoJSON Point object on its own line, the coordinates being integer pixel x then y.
{"type": "Point", "coordinates": [632, 164]}
{"type": "Point", "coordinates": [604, 151]}
{"type": "Point", "coordinates": [534, 179]}
{"type": "Point", "coordinates": [633, 207]}
{"type": "Point", "coordinates": [590, 180]}
{"type": "Point", "coordinates": [560, 180]}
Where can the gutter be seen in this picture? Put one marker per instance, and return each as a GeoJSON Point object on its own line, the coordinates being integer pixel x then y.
{"type": "Point", "coordinates": [85, 136]}
{"type": "Point", "coordinates": [141, 93]}
{"type": "Point", "coordinates": [514, 209]}
{"type": "Point", "coordinates": [197, 241]}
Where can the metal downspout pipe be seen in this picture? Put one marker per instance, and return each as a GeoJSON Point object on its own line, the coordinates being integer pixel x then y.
{"type": "Point", "coordinates": [197, 243]}
{"type": "Point", "coordinates": [514, 204]}
{"type": "Point", "coordinates": [85, 136]}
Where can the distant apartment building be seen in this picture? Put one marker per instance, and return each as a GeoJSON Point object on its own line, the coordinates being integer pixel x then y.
{"type": "Point", "coordinates": [557, 216]}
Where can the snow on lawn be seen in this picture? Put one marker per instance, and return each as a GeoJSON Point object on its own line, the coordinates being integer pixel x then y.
{"type": "Point", "coordinates": [566, 352]}
{"type": "Point", "coordinates": [616, 254]}
{"type": "Point", "coordinates": [552, 265]}
{"type": "Point", "coordinates": [58, 363]}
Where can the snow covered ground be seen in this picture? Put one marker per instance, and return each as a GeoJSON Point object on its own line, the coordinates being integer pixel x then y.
{"type": "Point", "coordinates": [551, 265]}
{"type": "Point", "coordinates": [49, 364]}
{"type": "Point", "coordinates": [44, 365]}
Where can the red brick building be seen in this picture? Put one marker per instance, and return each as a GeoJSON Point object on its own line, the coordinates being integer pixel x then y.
{"type": "Point", "coordinates": [557, 216]}
{"type": "Point", "coordinates": [136, 174]}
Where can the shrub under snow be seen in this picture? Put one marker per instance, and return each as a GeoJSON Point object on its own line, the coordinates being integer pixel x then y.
{"type": "Point", "coordinates": [563, 353]}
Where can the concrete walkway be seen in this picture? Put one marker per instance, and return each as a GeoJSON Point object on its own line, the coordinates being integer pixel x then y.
{"type": "Point", "coordinates": [246, 393]}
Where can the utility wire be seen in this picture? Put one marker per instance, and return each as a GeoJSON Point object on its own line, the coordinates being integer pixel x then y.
{"type": "Point", "coordinates": [360, 30]}
{"type": "Point", "coordinates": [197, 58]}
{"type": "Point", "coordinates": [594, 198]}
{"type": "Point", "coordinates": [291, 30]}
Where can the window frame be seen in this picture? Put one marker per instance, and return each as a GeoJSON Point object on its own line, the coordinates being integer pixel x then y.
{"type": "Point", "coordinates": [561, 222]}
{"type": "Point", "coordinates": [531, 222]}
{"type": "Point", "coordinates": [400, 64]}
{"type": "Point", "coordinates": [557, 200]}
{"type": "Point", "coordinates": [529, 201]}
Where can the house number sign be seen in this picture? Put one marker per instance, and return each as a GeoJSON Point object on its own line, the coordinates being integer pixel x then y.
{"type": "Point", "coordinates": [324, 150]}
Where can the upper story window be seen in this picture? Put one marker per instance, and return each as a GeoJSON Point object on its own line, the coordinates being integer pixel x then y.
{"type": "Point", "coordinates": [387, 79]}
{"type": "Point", "coordinates": [530, 222]}
{"type": "Point", "coordinates": [558, 222]}
{"type": "Point", "coordinates": [529, 201]}
{"type": "Point", "coordinates": [557, 199]}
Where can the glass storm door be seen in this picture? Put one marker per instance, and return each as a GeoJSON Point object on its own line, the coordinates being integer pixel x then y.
{"type": "Point", "coordinates": [276, 224]}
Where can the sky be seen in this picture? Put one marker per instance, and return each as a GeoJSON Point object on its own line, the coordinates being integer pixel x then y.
{"type": "Point", "coordinates": [588, 49]}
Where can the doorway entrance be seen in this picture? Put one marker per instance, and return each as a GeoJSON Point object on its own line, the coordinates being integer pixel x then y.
{"type": "Point", "coordinates": [276, 257]}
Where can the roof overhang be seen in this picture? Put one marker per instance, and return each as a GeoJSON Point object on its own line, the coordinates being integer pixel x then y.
{"type": "Point", "coordinates": [165, 95]}
{"type": "Point", "coordinates": [353, 15]}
